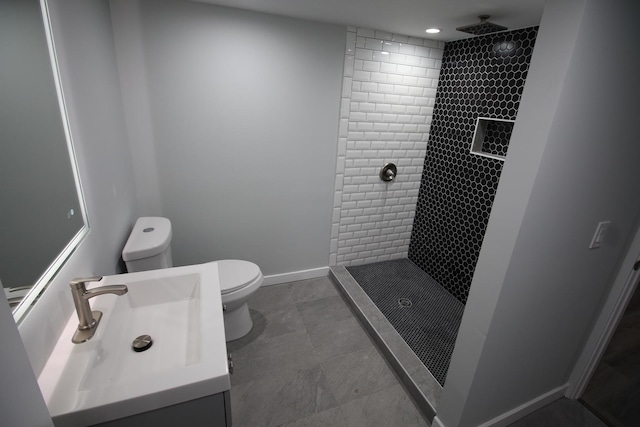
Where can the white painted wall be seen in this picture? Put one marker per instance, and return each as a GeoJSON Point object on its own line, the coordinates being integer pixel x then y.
{"type": "Point", "coordinates": [21, 403]}
{"type": "Point", "coordinates": [84, 42]}
{"type": "Point", "coordinates": [572, 163]}
{"type": "Point", "coordinates": [244, 114]}
{"type": "Point", "coordinates": [388, 94]}
{"type": "Point", "coordinates": [127, 36]}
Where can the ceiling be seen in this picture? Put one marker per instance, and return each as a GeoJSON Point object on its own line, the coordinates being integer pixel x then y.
{"type": "Point", "coordinates": [406, 17]}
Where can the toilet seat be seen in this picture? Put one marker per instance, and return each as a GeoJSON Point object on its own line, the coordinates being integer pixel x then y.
{"type": "Point", "coordinates": [236, 274]}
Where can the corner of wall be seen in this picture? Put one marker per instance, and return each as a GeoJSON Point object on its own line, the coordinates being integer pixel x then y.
{"type": "Point", "coordinates": [130, 59]}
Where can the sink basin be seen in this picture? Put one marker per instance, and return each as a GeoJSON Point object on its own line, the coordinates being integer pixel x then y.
{"type": "Point", "coordinates": [104, 379]}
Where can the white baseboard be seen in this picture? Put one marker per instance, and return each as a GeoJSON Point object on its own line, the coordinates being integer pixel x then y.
{"type": "Point", "coordinates": [526, 408]}
{"type": "Point", "coordinates": [436, 422]}
{"type": "Point", "coordinates": [276, 279]}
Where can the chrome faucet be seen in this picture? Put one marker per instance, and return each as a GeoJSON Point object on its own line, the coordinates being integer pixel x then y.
{"type": "Point", "coordinates": [88, 320]}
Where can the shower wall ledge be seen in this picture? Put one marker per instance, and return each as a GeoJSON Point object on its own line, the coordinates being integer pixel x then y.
{"type": "Point", "coordinates": [423, 388]}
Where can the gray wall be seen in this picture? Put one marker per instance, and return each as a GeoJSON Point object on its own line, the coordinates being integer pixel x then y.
{"type": "Point", "coordinates": [244, 116]}
{"type": "Point", "coordinates": [21, 403]}
{"type": "Point", "coordinates": [135, 96]}
{"type": "Point", "coordinates": [572, 163]}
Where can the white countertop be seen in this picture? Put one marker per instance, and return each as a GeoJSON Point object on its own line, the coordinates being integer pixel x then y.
{"type": "Point", "coordinates": [104, 379]}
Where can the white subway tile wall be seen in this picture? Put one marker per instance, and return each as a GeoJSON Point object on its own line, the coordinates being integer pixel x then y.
{"type": "Point", "coordinates": [388, 94]}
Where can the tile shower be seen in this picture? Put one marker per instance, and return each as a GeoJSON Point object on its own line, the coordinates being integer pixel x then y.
{"type": "Point", "coordinates": [481, 77]}
{"type": "Point", "coordinates": [388, 94]}
{"type": "Point", "coordinates": [424, 230]}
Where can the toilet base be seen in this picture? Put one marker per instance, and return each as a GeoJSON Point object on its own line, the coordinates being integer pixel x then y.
{"type": "Point", "coordinates": [237, 323]}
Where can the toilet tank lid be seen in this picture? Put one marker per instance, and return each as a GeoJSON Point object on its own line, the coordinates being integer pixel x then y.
{"type": "Point", "coordinates": [150, 236]}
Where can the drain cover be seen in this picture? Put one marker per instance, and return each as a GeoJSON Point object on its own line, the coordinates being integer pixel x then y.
{"type": "Point", "coordinates": [141, 343]}
{"type": "Point", "coordinates": [404, 302]}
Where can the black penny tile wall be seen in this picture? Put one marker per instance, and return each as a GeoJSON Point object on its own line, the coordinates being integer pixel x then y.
{"type": "Point", "coordinates": [480, 77]}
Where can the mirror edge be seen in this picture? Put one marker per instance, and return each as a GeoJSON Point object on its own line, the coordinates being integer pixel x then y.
{"type": "Point", "coordinates": [45, 279]}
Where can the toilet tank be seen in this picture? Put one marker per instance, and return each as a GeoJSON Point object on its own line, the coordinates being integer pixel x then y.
{"type": "Point", "coordinates": [149, 245]}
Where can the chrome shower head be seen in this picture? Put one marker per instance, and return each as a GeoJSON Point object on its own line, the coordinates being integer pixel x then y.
{"type": "Point", "coordinates": [483, 27]}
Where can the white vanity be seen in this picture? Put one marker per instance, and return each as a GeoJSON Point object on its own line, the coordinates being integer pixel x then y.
{"type": "Point", "coordinates": [182, 378]}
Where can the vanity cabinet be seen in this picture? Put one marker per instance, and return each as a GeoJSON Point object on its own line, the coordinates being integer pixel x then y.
{"type": "Point", "coordinates": [209, 411]}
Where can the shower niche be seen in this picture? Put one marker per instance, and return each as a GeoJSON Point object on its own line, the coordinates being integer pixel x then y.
{"type": "Point", "coordinates": [491, 137]}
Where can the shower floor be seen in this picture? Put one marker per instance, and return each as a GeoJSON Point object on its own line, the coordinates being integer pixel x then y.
{"type": "Point", "coordinates": [426, 316]}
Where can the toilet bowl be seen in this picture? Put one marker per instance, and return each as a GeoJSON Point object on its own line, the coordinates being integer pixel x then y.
{"type": "Point", "coordinates": [149, 248]}
{"type": "Point", "coordinates": [238, 281]}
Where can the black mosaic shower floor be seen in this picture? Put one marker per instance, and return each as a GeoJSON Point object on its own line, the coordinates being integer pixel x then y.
{"type": "Point", "coordinates": [429, 323]}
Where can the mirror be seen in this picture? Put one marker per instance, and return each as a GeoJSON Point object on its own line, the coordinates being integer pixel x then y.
{"type": "Point", "coordinates": [43, 217]}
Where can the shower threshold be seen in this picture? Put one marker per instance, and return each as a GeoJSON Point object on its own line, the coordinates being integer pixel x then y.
{"type": "Point", "coordinates": [421, 384]}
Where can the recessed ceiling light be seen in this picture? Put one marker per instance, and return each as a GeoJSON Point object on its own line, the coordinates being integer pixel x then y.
{"type": "Point", "coordinates": [433, 30]}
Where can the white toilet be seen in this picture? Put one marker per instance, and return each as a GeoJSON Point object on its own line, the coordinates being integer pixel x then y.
{"type": "Point", "coordinates": [149, 248]}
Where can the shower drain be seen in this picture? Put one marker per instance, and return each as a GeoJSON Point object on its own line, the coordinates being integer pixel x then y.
{"type": "Point", "coordinates": [404, 302]}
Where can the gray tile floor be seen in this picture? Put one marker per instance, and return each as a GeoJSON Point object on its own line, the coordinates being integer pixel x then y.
{"type": "Point", "coordinates": [419, 383]}
{"type": "Point", "coordinates": [308, 362]}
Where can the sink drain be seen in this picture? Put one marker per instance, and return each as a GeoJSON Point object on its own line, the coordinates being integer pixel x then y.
{"type": "Point", "coordinates": [141, 343]}
{"type": "Point", "coordinates": [404, 302]}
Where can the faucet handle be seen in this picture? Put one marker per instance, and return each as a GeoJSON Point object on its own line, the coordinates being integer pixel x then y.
{"type": "Point", "coordinates": [80, 281]}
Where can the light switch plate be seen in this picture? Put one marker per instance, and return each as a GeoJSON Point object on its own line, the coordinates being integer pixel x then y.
{"type": "Point", "coordinates": [598, 236]}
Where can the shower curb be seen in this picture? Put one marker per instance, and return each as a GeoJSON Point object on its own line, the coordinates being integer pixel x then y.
{"type": "Point", "coordinates": [423, 388]}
